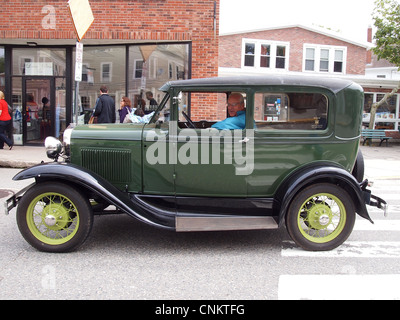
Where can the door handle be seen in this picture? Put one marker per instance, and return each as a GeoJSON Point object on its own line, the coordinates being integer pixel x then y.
{"type": "Point", "coordinates": [245, 140]}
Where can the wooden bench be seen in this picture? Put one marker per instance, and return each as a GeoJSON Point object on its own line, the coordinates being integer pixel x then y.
{"type": "Point", "coordinates": [374, 134]}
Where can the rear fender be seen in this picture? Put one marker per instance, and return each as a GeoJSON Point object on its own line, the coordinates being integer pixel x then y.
{"type": "Point", "coordinates": [327, 172]}
{"type": "Point", "coordinates": [86, 179]}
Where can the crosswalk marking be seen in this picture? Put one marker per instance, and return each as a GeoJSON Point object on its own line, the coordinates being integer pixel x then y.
{"type": "Point", "coordinates": [350, 249]}
{"type": "Point", "coordinates": [388, 196]}
{"type": "Point", "coordinates": [378, 225]}
{"type": "Point", "coordinates": [343, 287]}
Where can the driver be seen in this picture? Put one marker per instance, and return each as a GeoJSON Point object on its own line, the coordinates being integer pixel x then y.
{"type": "Point", "coordinates": [237, 114]}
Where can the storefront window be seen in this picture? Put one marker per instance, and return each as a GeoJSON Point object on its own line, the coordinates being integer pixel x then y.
{"type": "Point", "coordinates": [388, 109]}
{"type": "Point", "coordinates": [386, 115]}
{"type": "Point", "coordinates": [2, 69]}
{"type": "Point", "coordinates": [17, 109]}
{"type": "Point", "coordinates": [104, 65]}
{"type": "Point", "coordinates": [39, 62]}
{"type": "Point", "coordinates": [61, 123]}
{"type": "Point", "coordinates": [368, 101]}
{"type": "Point", "coordinates": [150, 66]}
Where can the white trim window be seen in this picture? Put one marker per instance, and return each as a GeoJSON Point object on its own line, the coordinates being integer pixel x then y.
{"type": "Point", "coordinates": [265, 55]}
{"type": "Point", "coordinates": [106, 71]}
{"type": "Point", "coordinates": [324, 59]}
{"type": "Point", "coordinates": [138, 69]}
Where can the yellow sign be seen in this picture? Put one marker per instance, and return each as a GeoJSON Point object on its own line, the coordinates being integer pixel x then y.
{"type": "Point", "coordinates": [82, 16]}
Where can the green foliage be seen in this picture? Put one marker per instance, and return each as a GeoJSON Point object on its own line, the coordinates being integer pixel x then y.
{"type": "Point", "coordinates": [387, 21]}
{"type": "Point", "coordinates": [387, 37]}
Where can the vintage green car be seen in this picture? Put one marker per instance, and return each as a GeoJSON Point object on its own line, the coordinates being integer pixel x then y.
{"type": "Point", "coordinates": [290, 158]}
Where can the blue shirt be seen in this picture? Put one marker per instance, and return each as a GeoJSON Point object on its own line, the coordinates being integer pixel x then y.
{"type": "Point", "coordinates": [238, 122]}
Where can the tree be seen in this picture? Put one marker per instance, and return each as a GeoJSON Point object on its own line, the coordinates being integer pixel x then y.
{"type": "Point", "coordinates": [387, 21]}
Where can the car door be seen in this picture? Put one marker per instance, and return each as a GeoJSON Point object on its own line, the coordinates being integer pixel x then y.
{"type": "Point", "coordinates": [158, 153]}
{"type": "Point", "coordinates": [211, 162]}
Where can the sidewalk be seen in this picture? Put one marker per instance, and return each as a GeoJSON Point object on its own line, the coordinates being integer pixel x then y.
{"type": "Point", "coordinates": [28, 156]}
{"type": "Point", "coordinates": [22, 156]}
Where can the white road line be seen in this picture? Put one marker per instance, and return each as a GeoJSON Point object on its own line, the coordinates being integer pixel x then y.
{"type": "Point", "coordinates": [388, 197]}
{"type": "Point", "coordinates": [335, 287]}
{"type": "Point", "coordinates": [350, 249]}
{"type": "Point", "coordinates": [378, 225]}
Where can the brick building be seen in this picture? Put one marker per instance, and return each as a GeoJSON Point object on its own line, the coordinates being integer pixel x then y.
{"type": "Point", "coordinates": [311, 51]}
{"type": "Point", "coordinates": [291, 49]}
{"type": "Point", "coordinates": [132, 47]}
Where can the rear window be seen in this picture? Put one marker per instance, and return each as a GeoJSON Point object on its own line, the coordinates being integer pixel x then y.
{"type": "Point", "coordinates": [290, 111]}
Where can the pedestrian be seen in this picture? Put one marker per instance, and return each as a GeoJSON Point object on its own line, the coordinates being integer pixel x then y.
{"type": "Point", "coordinates": [5, 121]}
{"type": "Point", "coordinates": [152, 102]}
{"type": "Point", "coordinates": [105, 107]}
{"type": "Point", "coordinates": [124, 108]}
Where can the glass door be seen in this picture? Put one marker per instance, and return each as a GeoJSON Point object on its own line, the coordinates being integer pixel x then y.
{"type": "Point", "coordinates": [38, 109]}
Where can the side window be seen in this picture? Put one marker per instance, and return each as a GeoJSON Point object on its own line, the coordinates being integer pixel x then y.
{"type": "Point", "coordinates": [205, 106]}
{"type": "Point", "coordinates": [290, 111]}
{"type": "Point", "coordinates": [183, 105]}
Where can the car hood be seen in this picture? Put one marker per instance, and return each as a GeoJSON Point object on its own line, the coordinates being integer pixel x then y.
{"type": "Point", "coordinates": [108, 131]}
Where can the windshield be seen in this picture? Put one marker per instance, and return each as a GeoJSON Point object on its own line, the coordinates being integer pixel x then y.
{"type": "Point", "coordinates": [162, 114]}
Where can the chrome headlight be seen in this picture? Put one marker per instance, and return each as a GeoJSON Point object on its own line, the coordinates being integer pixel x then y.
{"type": "Point", "coordinates": [67, 136]}
{"type": "Point", "coordinates": [53, 147]}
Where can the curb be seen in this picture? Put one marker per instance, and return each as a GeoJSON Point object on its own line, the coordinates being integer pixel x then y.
{"type": "Point", "coordinates": [17, 164]}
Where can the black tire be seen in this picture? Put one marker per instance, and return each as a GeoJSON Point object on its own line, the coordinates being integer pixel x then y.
{"type": "Point", "coordinates": [53, 217]}
{"type": "Point", "coordinates": [321, 217]}
{"type": "Point", "coordinates": [358, 170]}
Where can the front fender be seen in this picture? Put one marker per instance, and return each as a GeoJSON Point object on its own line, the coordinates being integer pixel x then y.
{"type": "Point", "coordinates": [73, 174]}
{"type": "Point", "coordinates": [323, 172]}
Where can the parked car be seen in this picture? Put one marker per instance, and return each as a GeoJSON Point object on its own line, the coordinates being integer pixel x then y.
{"type": "Point", "coordinates": [296, 163]}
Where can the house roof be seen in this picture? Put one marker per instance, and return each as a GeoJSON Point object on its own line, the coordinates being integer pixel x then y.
{"type": "Point", "coordinates": [325, 32]}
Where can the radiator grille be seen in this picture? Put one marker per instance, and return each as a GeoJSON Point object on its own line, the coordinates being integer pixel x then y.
{"type": "Point", "coordinates": [112, 164]}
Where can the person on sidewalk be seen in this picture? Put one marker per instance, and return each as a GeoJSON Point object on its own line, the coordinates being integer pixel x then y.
{"type": "Point", "coordinates": [105, 107]}
{"type": "Point", "coordinates": [124, 108]}
{"type": "Point", "coordinates": [5, 120]}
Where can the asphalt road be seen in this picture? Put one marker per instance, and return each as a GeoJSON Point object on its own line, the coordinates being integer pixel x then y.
{"type": "Point", "coordinates": [124, 259]}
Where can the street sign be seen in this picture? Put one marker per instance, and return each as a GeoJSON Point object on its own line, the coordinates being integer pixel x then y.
{"type": "Point", "coordinates": [82, 16]}
{"type": "Point", "coordinates": [78, 61]}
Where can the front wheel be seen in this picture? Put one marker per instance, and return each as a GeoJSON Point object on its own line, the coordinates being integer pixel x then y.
{"type": "Point", "coordinates": [53, 217]}
{"type": "Point", "coordinates": [321, 217]}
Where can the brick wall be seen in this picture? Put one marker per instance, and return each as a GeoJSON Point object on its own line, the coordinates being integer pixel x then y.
{"type": "Point", "coordinates": [137, 20]}
{"type": "Point", "coordinates": [231, 48]}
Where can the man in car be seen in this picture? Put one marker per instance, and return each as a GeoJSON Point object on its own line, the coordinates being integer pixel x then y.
{"type": "Point", "coordinates": [236, 112]}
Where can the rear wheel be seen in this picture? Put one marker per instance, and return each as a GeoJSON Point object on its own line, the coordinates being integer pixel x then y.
{"type": "Point", "coordinates": [321, 217]}
{"type": "Point", "coordinates": [53, 217]}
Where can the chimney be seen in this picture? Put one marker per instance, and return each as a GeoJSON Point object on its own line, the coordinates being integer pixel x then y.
{"type": "Point", "coordinates": [369, 39]}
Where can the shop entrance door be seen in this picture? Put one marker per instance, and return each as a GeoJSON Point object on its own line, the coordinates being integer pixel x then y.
{"type": "Point", "coordinates": [38, 109]}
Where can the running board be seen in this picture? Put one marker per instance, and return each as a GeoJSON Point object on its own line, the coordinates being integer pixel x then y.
{"type": "Point", "coordinates": [224, 223]}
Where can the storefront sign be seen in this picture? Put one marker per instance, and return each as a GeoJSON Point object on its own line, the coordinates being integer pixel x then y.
{"type": "Point", "coordinates": [39, 68]}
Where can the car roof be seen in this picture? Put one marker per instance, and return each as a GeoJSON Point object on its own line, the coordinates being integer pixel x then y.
{"type": "Point", "coordinates": [333, 84]}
